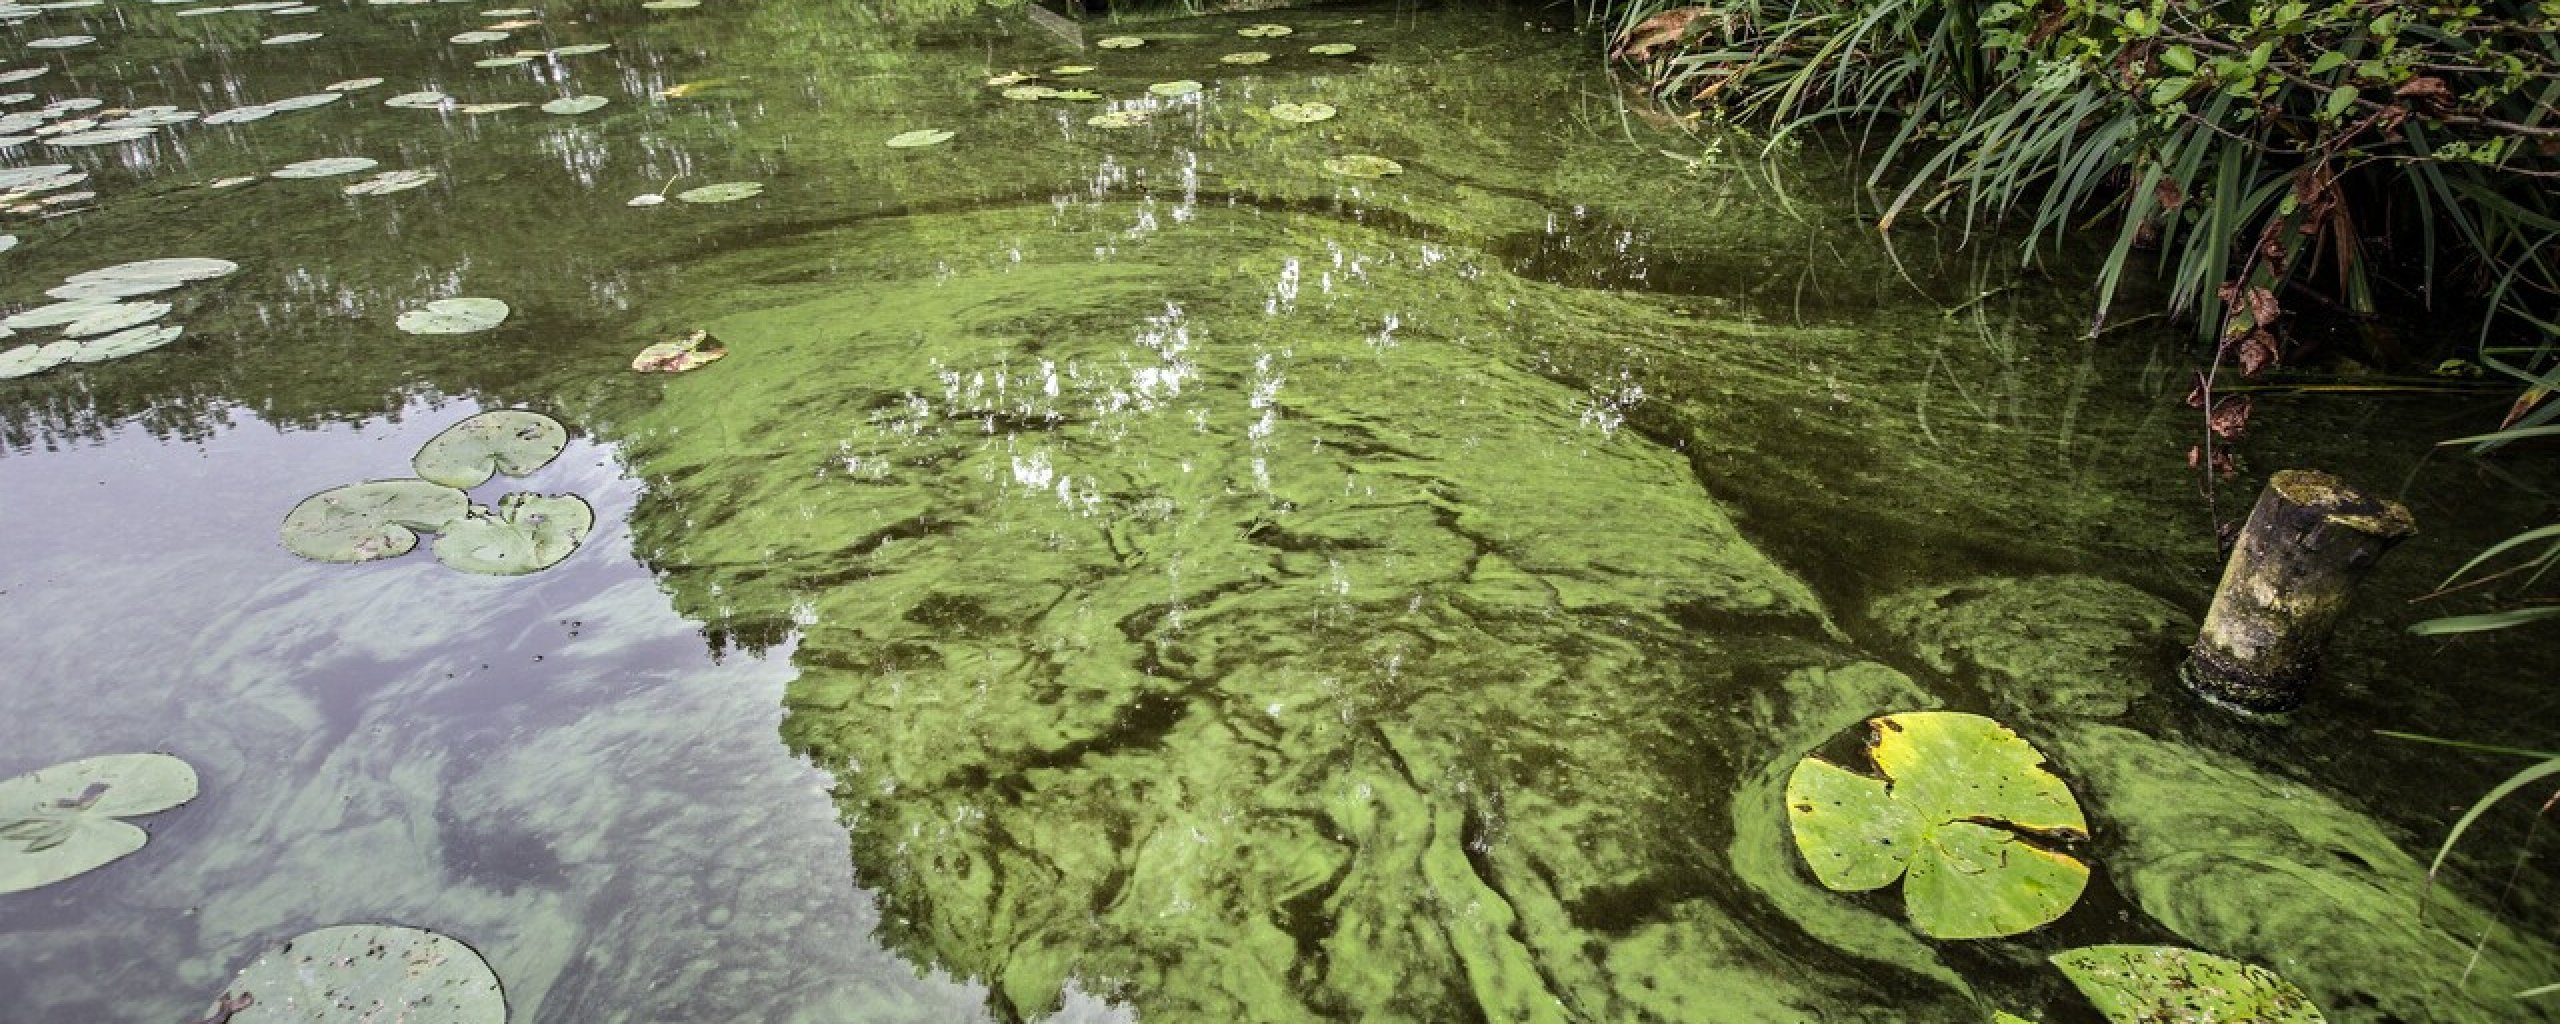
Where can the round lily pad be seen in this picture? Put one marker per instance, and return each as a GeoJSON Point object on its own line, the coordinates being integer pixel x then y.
{"type": "Point", "coordinates": [389, 182]}
{"type": "Point", "coordinates": [363, 522]}
{"type": "Point", "coordinates": [289, 39]}
{"type": "Point", "coordinates": [1246, 57]}
{"type": "Point", "coordinates": [66, 820]}
{"type": "Point", "coordinates": [59, 42]}
{"type": "Point", "coordinates": [1119, 42]}
{"type": "Point", "coordinates": [525, 533]}
{"type": "Point", "coordinates": [670, 5]}
{"type": "Point", "coordinates": [919, 138]}
{"type": "Point", "coordinates": [1362, 165]}
{"type": "Point", "coordinates": [1076, 95]}
{"type": "Point", "coordinates": [101, 137]}
{"type": "Point", "coordinates": [1959, 813]}
{"type": "Point", "coordinates": [725, 192]}
{"type": "Point", "coordinates": [574, 104]}
{"type": "Point", "coordinates": [488, 108]}
{"type": "Point", "coordinates": [364, 972]}
{"type": "Point", "coordinates": [454, 316]}
{"type": "Point", "coordinates": [510, 441]}
{"type": "Point", "coordinates": [305, 101]}
{"type": "Point", "coordinates": [1332, 49]}
{"type": "Point", "coordinates": [689, 352]}
{"type": "Point", "coordinates": [1118, 119]}
{"type": "Point", "coordinates": [20, 74]}
{"type": "Point", "coordinates": [1169, 90]}
{"type": "Point", "coordinates": [1302, 113]}
{"type": "Point", "coordinates": [239, 115]}
{"type": "Point", "coordinates": [2146, 984]}
{"type": "Point", "coordinates": [326, 167]}
{"type": "Point", "coordinates": [124, 280]}
{"type": "Point", "coordinates": [646, 199]}
{"type": "Point", "coordinates": [56, 314]}
{"type": "Point", "coordinates": [28, 360]}
{"type": "Point", "coordinates": [1264, 31]}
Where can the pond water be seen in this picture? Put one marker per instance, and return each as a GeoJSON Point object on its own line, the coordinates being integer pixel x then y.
{"type": "Point", "coordinates": [1144, 572]}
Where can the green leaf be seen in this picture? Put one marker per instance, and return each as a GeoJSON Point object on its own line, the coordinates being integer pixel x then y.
{"type": "Point", "coordinates": [919, 138]}
{"type": "Point", "coordinates": [363, 522]}
{"type": "Point", "coordinates": [1302, 113]}
{"type": "Point", "coordinates": [525, 533]}
{"type": "Point", "coordinates": [1958, 799]}
{"type": "Point", "coordinates": [364, 972]}
{"type": "Point", "coordinates": [454, 316]}
{"type": "Point", "coordinates": [689, 352]}
{"type": "Point", "coordinates": [2484, 622]}
{"type": "Point", "coordinates": [2180, 58]}
{"type": "Point", "coordinates": [2168, 90]}
{"type": "Point", "coordinates": [2155, 984]}
{"type": "Point", "coordinates": [2340, 101]}
{"type": "Point", "coordinates": [2328, 62]}
{"type": "Point", "coordinates": [725, 192]}
{"type": "Point", "coordinates": [510, 441]}
{"type": "Point", "coordinates": [63, 821]}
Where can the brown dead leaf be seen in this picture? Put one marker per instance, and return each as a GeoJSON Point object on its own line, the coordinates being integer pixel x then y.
{"type": "Point", "coordinates": [1660, 30]}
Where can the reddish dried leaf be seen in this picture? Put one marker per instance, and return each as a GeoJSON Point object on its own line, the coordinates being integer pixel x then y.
{"type": "Point", "coordinates": [1660, 30]}
{"type": "Point", "coordinates": [2257, 352]}
{"type": "Point", "coordinates": [2230, 417]}
{"type": "Point", "coordinates": [2424, 87]}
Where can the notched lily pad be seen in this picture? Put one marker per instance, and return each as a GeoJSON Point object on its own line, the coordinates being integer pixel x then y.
{"type": "Point", "coordinates": [1264, 31]}
{"type": "Point", "coordinates": [66, 820]}
{"type": "Point", "coordinates": [725, 192]}
{"type": "Point", "coordinates": [510, 441]}
{"type": "Point", "coordinates": [377, 519]}
{"type": "Point", "coordinates": [919, 138]}
{"type": "Point", "coordinates": [525, 533]}
{"type": "Point", "coordinates": [689, 352]}
{"type": "Point", "coordinates": [454, 316]}
{"type": "Point", "coordinates": [2158, 984]}
{"type": "Point", "coordinates": [364, 972]}
{"type": "Point", "coordinates": [1952, 815]}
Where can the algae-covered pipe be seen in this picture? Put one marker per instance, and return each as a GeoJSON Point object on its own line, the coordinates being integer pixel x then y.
{"type": "Point", "coordinates": [2309, 541]}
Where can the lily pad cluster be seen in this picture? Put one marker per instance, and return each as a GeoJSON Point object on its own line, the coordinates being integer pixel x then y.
{"type": "Point", "coordinates": [67, 820]}
{"type": "Point", "coordinates": [523, 533]}
{"type": "Point", "coordinates": [364, 972]}
{"type": "Point", "coordinates": [55, 124]}
{"type": "Point", "coordinates": [262, 111]}
{"type": "Point", "coordinates": [97, 318]}
{"type": "Point", "coordinates": [1961, 811]}
{"type": "Point", "coordinates": [36, 188]}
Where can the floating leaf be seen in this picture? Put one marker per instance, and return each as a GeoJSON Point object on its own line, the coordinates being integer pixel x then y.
{"type": "Point", "coordinates": [501, 62]}
{"type": "Point", "coordinates": [289, 39]}
{"type": "Point", "coordinates": [388, 182]}
{"type": "Point", "coordinates": [1118, 119]}
{"type": "Point", "coordinates": [26, 360]}
{"type": "Point", "coordinates": [646, 199]}
{"type": "Point", "coordinates": [126, 280]}
{"type": "Point", "coordinates": [670, 5]}
{"type": "Point", "coordinates": [57, 314]}
{"type": "Point", "coordinates": [1072, 70]}
{"type": "Point", "coordinates": [2158, 984]}
{"type": "Point", "coordinates": [127, 342]}
{"type": "Point", "coordinates": [1169, 90]}
{"type": "Point", "coordinates": [1332, 49]}
{"type": "Point", "coordinates": [1362, 165]}
{"type": "Point", "coordinates": [1119, 42]}
{"type": "Point", "coordinates": [352, 85]}
{"type": "Point", "coordinates": [305, 101]}
{"type": "Point", "coordinates": [509, 12]}
{"type": "Point", "coordinates": [1029, 92]}
{"type": "Point", "coordinates": [1076, 95]}
{"type": "Point", "coordinates": [59, 42]}
{"type": "Point", "coordinates": [1958, 797]}
{"type": "Point", "coordinates": [378, 519]}
{"type": "Point", "coordinates": [690, 352]}
{"type": "Point", "coordinates": [239, 115]}
{"type": "Point", "coordinates": [510, 441]}
{"type": "Point", "coordinates": [454, 316]}
{"type": "Point", "coordinates": [1264, 31]}
{"type": "Point", "coordinates": [580, 49]}
{"type": "Point", "coordinates": [114, 317]}
{"type": "Point", "coordinates": [20, 74]}
{"type": "Point", "coordinates": [101, 137]}
{"type": "Point", "coordinates": [1008, 80]}
{"type": "Point", "coordinates": [574, 104]}
{"type": "Point", "coordinates": [919, 138]}
{"type": "Point", "coordinates": [488, 108]}
{"type": "Point", "coordinates": [8, 242]}
{"type": "Point", "coordinates": [1302, 113]}
{"type": "Point", "coordinates": [66, 820]}
{"type": "Point", "coordinates": [525, 533]}
{"type": "Point", "coordinates": [1246, 57]}
{"type": "Point", "coordinates": [364, 972]}
{"type": "Point", "coordinates": [426, 99]}
{"type": "Point", "coordinates": [325, 167]}
{"type": "Point", "coordinates": [477, 35]}
{"type": "Point", "coordinates": [725, 192]}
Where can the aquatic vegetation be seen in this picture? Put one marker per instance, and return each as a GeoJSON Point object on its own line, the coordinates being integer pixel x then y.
{"type": "Point", "coordinates": [454, 316]}
{"type": "Point", "coordinates": [1076, 95]}
{"type": "Point", "coordinates": [508, 61]}
{"type": "Point", "coordinates": [574, 104]}
{"type": "Point", "coordinates": [526, 533]}
{"type": "Point", "coordinates": [389, 182]}
{"type": "Point", "coordinates": [1302, 113]}
{"type": "Point", "coordinates": [1333, 49]}
{"type": "Point", "coordinates": [2042, 645]}
{"type": "Point", "coordinates": [919, 138]}
{"type": "Point", "coordinates": [67, 820]}
{"type": "Point", "coordinates": [478, 36]}
{"type": "Point", "coordinates": [114, 317]}
{"type": "Point", "coordinates": [348, 973]}
{"type": "Point", "coordinates": [578, 49]}
{"type": "Point", "coordinates": [326, 167]}
{"type": "Point", "coordinates": [289, 39]}
{"type": "Point", "coordinates": [1245, 57]}
{"type": "Point", "coordinates": [1118, 119]}
{"type": "Point", "coordinates": [1951, 813]}
{"type": "Point", "coordinates": [510, 441]}
{"type": "Point", "coordinates": [141, 277]}
{"type": "Point", "coordinates": [1009, 79]}
{"type": "Point", "coordinates": [1029, 92]}
{"type": "Point", "coordinates": [690, 352]}
{"type": "Point", "coordinates": [1265, 31]}
{"type": "Point", "coordinates": [489, 108]}
{"type": "Point", "coordinates": [425, 99]}
{"type": "Point", "coordinates": [724, 192]}
{"type": "Point", "coordinates": [372, 520]}
{"type": "Point", "coordinates": [1180, 87]}
{"type": "Point", "coordinates": [670, 5]}
{"type": "Point", "coordinates": [1119, 42]}
{"type": "Point", "coordinates": [2152, 984]}
{"type": "Point", "coordinates": [1362, 165]}
{"type": "Point", "coordinates": [1072, 70]}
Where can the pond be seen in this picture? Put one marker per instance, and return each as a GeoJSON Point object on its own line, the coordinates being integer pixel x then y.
{"type": "Point", "coordinates": [1142, 556]}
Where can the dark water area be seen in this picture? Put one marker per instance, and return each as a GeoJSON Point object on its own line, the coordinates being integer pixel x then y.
{"type": "Point", "coordinates": [1144, 572]}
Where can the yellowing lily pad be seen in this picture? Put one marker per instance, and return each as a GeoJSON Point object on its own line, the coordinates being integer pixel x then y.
{"type": "Point", "coordinates": [2154, 984]}
{"type": "Point", "coordinates": [1952, 815]}
{"type": "Point", "coordinates": [364, 972]}
{"type": "Point", "coordinates": [690, 352]}
{"type": "Point", "coordinates": [454, 316]}
{"type": "Point", "coordinates": [525, 533]}
{"type": "Point", "coordinates": [363, 522]}
{"type": "Point", "coordinates": [66, 820]}
{"type": "Point", "coordinates": [919, 138]}
{"type": "Point", "coordinates": [510, 441]}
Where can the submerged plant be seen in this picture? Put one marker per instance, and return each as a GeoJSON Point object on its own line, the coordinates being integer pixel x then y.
{"type": "Point", "coordinates": [364, 972]}
{"type": "Point", "coordinates": [67, 820]}
{"type": "Point", "coordinates": [1951, 814]}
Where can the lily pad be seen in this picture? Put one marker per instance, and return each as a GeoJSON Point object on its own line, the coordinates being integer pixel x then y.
{"type": "Point", "coordinates": [101, 137]}
{"type": "Point", "coordinates": [1119, 42]}
{"type": "Point", "coordinates": [1302, 113]}
{"type": "Point", "coordinates": [454, 316]}
{"type": "Point", "coordinates": [127, 342]}
{"type": "Point", "coordinates": [1076, 95]}
{"type": "Point", "coordinates": [364, 972]}
{"type": "Point", "coordinates": [351, 85]}
{"type": "Point", "coordinates": [8, 242]}
{"type": "Point", "coordinates": [1118, 119]}
{"type": "Point", "coordinates": [1169, 90]}
{"type": "Point", "coordinates": [488, 108]}
{"type": "Point", "coordinates": [115, 317]}
{"type": "Point", "coordinates": [56, 314]}
{"type": "Point", "coordinates": [690, 352]}
{"type": "Point", "coordinates": [59, 42]}
{"type": "Point", "coordinates": [67, 819]}
{"type": "Point", "coordinates": [389, 182]}
{"type": "Point", "coordinates": [579, 49]}
{"type": "Point", "coordinates": [1029, 92]}
{"type": "Point", "coordinates": [239, 115]}
{"type": "Point", "coordinates": [919, 138]}
{"type": "Point", "coordinates": [1246, 57]}
{"type": "Point", "coordinates": [1009, 79]}
{"type": "Point", "coordinates": [670, 5]}
{"type": "Point", "coordinates": [646, 199]}
{"type": "Point", "coordinates": [305, 101]}
{"type": "Point", "coordinates": [289, 39]}
{"type": "Point", "coordinates": [425, 99]}
{"type": "Point", "coordinates": [1264, 31]}
{"type": "Point", "coordinates": [725, 192]}
{"type": "Point", "coordinates": [125, 280]}
{"type": "Point", "coordinates": [1959, 798]}
{"type": "Point", "coordinates": [510, 441]}
{"type": "Point", "coordinates": [2159, 984]}
{"type": "Point", "coordinates": [325, 167]}
{"type": "Point", "coordinates": [501, 62]}
{"type": "Point", "coordinates": [1333, 49]}
{"type": "Point", "coordinates": [477, 35]}
{"type": "Point", "coordinates": [1072, 70]}
{"type": "Point", "coordinates": [525, 533]}
{"type": "Point", "coordinates": [378, 519]}
{"type": "Point", "coordinates": [28, 360]}
{"type": "Point", "coordinates": [1362, 165]}
{"type": "Point", "coordinates": [20, 74]}
{"type": "Point", "coordinates": [574, 104]}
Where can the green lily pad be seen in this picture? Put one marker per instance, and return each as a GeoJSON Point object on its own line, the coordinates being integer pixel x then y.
{"type": "Point", "coordinates": [525, 533]}
{"type": "Point", "coordinates": [56, 314]}
{"type": "Point", "coordinates": [100, 137]}
{"type": "Point", "coordinates": [377, 519]}
{"type": "Point", "coordinates": [509, 61]}
{"type": "Point", "coordinates": [574, 104]}
{"type": "Point", "coordinates": [725, 192]}
{"type": "Point", "coordinates": [28, 360]}
{"type": "Point", "coordinates": [1029, 92]}
{"type": "Point", "coordinates": [1169, 90]}
{"type": "Point", "coordinates": [59, 42]}
{"type": "Point", "coordinates": [510, 441]}
{"type": "Point", "coordinates": [1333, 49]}
{"type": "Point", "coordinates": [289, 39]}
{"type": "Point", "coordinates": [2171, 985]}
{"type": "Point", "coordinates": [1119, 42]}
{"type": "Point", "coordinates": [670, 5]}
{"type": "Point", "coordinates": [1959, 797]}
{"type": "Point", "coordinates": [388, 182]}
{"type": "Point", "coordinates": [1246, 57]}
{"type": "Point", "coordinates": [426, 99]}
{"type": "Point", "coordinates": [1076, 95]}
{"type": "Point", "coordinates": [580, 49]}
{"type": "Point", "coordinates": [488, 108]}
{"type": "Point", "coordinates": [1072, 70]}
{"type": "Point", "coordinates": [1009, 79]}
{"type": "Point", "coordinates": [327, 167]}
{"type": "Point", "coordinates": [364, 972]}
{"type": "Point", "coordinates": [454, 316]}
{"type": "Point", "coordinates": [65, 820]}
{"type": "Point", "coordinates": [1362, 165]}
{"type": "Point", "coordinates": [477, 35]}
{"type": "Point", "coordinates": [690, 352]}
{"type": "Point", "coordinates": [305, 101]}
{"type": "Point", "coordinates": [127, 342]}
{"type": "Point", "coordinates": [1118, 119]}
{"type": "Point", "coordinates": [919, 138]}
{"type": "Point", "coordinates": [1264, 31]}
{"type": "Point", "coordinates": [351, 85]}
{"type": "Point", "coordinates": [114, 317]}
{"type": "Point", "coordinates": [1302, 113]}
